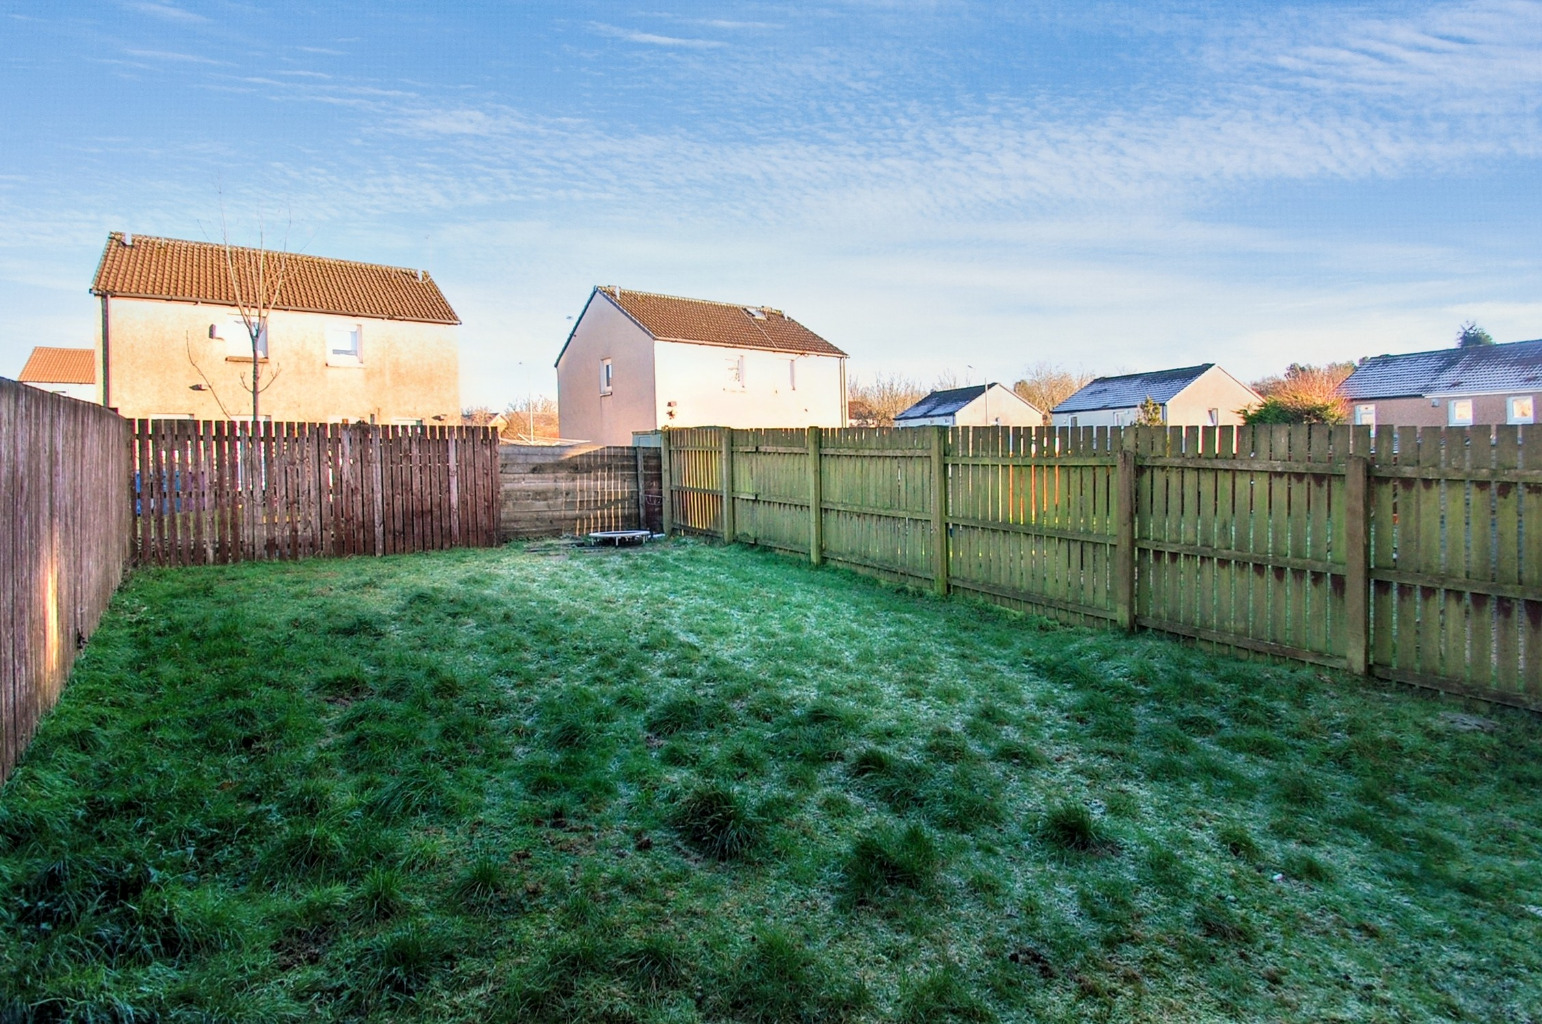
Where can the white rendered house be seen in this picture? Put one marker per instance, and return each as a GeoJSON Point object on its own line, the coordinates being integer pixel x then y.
{"type": "Point", "coordinates": [636, 361]}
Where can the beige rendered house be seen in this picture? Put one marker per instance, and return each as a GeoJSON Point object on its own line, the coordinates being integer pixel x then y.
{"type": "Point", "coordinates": [343, 341]}
{"type": "Point", "coordinates": [1452, 387]}
{"type": "Point", "coordinates": [1190, 396]}
{"type": "Point", "coordinates": [636, 361]}
{"type": "Point", "coordinates": [64, 371]}
{"type": "Point", "coordinates": [978, 405]}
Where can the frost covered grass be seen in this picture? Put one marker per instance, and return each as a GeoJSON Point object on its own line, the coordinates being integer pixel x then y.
{"type": "Point", "coordinates": [693, 783]}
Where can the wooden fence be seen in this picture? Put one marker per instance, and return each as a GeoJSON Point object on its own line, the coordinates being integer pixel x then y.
{"type": "Point", "coordinates": [64, 543]}
{"type": "Point", "coordinates": [549, 490]}
{"type": "Point", "coordinates": [1411, 554]}
{"type": "Point", "coordinates": [214, 492]}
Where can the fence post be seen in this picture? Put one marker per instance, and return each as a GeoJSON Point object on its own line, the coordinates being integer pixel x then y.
{"type": "Point", "coordinates": [1124, 539]}
{"type": "Point", "coordinates": [642, 490]}
{"type": "Point", "coordinates": [1357, 611]}
{"type": "Point", "coordinates": [727, 519]}
{"type": "Point", "coordinates": [940, 510]}
{"type": "Point", "coordinates": [816, 499]}
{"type": "Point", "coordinates": [666, 485]}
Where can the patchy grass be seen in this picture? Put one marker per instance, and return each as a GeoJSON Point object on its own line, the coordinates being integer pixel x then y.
{"type": "Point", "coordinates": [690, 783]}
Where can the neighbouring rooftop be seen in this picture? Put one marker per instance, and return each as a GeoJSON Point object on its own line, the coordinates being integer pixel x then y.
{"type": "Point", "coordinates": [1516, 366]}
{"type": "Point", "coordinates": [48, 365]}
{"type": "Point", "coordinates": [1131, 389]}
{"type": "Point", "coordinates": [144, 267]}
{"type": "Point", "coordinates": [703, 322]}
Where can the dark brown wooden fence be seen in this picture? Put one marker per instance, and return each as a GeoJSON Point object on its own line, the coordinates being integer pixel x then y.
{"type": "Point", "coordinates": [208, 492]}
{"type": "Point", "coordinates": [1411, 554]}
{"type": "Point", "coordinates": [551, 491]}
{"type": "Point", "coordinates": [64, 542]}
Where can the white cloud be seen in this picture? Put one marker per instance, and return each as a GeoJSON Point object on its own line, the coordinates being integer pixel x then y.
{"type": "Point", "coordinates": [179, 58]}
{"type": "Point", "coordinates": [652, 39]}
{"type": "Point", "coordinates": [169, 12]}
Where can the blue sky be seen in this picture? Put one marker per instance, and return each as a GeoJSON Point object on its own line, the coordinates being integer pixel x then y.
{"type": "Point", "coordinates": [933, 186]}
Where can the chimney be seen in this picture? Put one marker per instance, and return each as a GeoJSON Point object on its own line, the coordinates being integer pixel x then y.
{"type": "Point", "coordinates": [128, 238]}
{"type": "Point", "coordinates": [420, 275]}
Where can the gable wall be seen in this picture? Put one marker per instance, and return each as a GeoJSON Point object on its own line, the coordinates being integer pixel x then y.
{"type": "Point", "coordinates": [583, 413]}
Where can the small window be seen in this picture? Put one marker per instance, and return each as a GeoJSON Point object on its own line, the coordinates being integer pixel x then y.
{"type": "Point", "coordinates": [605, 377]}
{"type": "Point", "coordinates": [343, 345]}
{"type": "Point", "coordinates": [1073, 421]}
{"type": "Point", "coordinates": [1365, 415]}
{"type": "Point", "coordinates": [736, 374]}
{"type": "Point", "coordinates": [792, 376]}
{"type": "Point", "coordinates": [238, 339]}
{"type": "Point", "coordinates": [1459, 412]}
{"type": "Point", "coordinates": [754, 313]}
{"type": "Point", "coordinates": [405, 421]}
{"type": "Point", "coordinates": [1521, 409]}
{"type": "Point", "coordinates": [1215, 417]}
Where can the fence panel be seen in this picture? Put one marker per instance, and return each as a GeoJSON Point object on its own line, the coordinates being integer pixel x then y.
{"type": "Point", "coordinates": [218, 492]}
{"type": "Point", "coordinates": [64, 543]}
{"type": "Point", "coordinates": [1413, 554]}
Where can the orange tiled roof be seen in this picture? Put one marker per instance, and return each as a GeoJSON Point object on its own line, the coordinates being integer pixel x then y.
{"type": "Point", "coordinates": [170, 268]}
{"type": "Point", "coordinates": [60, 366]}
{"type": "Point", "coordinates": [670, 318]}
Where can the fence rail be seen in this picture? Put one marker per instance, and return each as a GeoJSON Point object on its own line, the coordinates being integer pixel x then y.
{"type": "Point", "coordinates": [1414, 554]}
{"type": "Point", "coordinates": [64, 543]}
{"type": "Point", "coordinates": [214, 491]}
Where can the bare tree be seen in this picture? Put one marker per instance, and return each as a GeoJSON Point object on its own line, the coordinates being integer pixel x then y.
{"type": "Point", "coordinates": [876, 403]}
{"type": "Point", "coordinates": [1045, 385]}
{"type": "Point", "coordinates": [256, 283]}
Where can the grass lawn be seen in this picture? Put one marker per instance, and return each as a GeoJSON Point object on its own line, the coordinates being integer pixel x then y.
{"type": "Point", "coordinates": [693, 783]}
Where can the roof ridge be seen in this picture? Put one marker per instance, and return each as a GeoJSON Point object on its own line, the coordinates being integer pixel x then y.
{"type": "Point", "coordinates": [287, 253]}
{"type": "Point", "coordinates": [613, 289]}
{"type": "Point", "coordinates": [1152, 373]}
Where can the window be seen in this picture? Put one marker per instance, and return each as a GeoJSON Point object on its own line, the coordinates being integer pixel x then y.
{"type": "Point", "coordinates": [1365, 415]}
{"type": "Point", "coordinates": [755, 314]}
{"type": "Point", "coordinates": [343, 345]}
{"type": "Point", "coordinates": [792, 375]}
{"type": "Point", "coordinates": [736, 374]}
{"type": "Point", "coordinates": [1521, 409]}
{"type": "Point", "coordinates": [238, 339]}
{"type": "Point", "coordinates": [1215, 417]}
{"type": "Point", "coordinates": [405, 421]}
{"type": "Point", "coordinates": [605, 377]}
{"type": "Point", "coordinates": [1459, 412]}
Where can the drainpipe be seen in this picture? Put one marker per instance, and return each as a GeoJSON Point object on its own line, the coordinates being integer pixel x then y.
{"type": "Point", "coordinates": [106, 362]}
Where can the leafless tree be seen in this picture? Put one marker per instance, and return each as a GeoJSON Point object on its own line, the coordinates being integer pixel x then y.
{"type": "Point", "coordinates": [1045, 385]}
{"type": "Point", "coordinates": [257, 276]}
{"type": "Point", "coordinates": [875, 403]}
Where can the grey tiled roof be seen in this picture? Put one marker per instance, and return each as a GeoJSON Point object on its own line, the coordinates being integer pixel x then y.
{"type": "Point", "coordinates": [943, 403]}
{"type": "Point", "coordinates": [1516, 366]}
{"type": "Point", "coordinates": [1131, 389]}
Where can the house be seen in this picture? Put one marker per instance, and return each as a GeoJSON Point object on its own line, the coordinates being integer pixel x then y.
{"type": "Point", "coordinates": [978, 405]}
{"type": "Point", "coordinates": [1452, 387]}
{"type": "Point", "coordinates": [1190, 396]}
{"type": "Point", "coordinates": [64, 371]}
{"type": "Point", "coordinates": [343, 341]}
{"type": "Point", "coordinates": [636, 361]}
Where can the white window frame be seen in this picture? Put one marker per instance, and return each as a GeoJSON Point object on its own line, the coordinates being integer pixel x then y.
{"type": "Point", "coordinates": [343, 358]}
{"type": "Point", "coordinates": [736, 375]}
{"type": "Point", "coordinates": [406, 421]}
{"type": "Point", "coordinates": [1214, 415]}
{"type": "Point", "coordinates": [1513, 404]}
{"type": "Point", "coordinates": [607, 377]}
{"type": "Point", "coordinates": [792, 375]}
{"type": "Point", "coordinates": [1454, 415]}
{"type": "Point", "coordinates": [238, 340]}
{"type": "Point", "coordinates": [1365, 414]}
